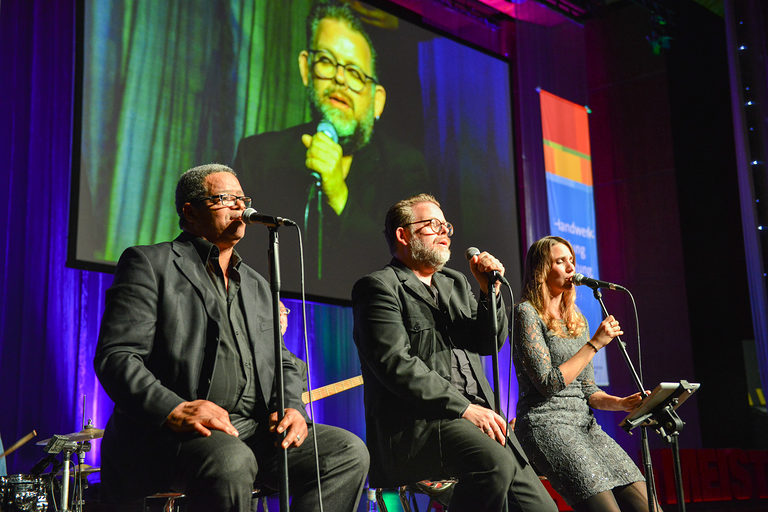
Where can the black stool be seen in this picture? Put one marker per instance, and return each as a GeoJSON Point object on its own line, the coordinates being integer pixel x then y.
{"type": "Point", "coordinates": [176, 501]}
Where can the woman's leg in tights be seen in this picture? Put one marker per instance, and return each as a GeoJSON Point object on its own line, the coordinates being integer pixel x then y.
{"type": "Point", "coordinates": [601, 502]}
{"type": "Point", "coordinates": [627, 498]}
{"type": "Point", "coordinates": [633, 497]}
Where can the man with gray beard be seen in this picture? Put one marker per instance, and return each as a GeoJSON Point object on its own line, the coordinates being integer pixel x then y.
{"type": "Point", "coordinates": [335, 190]}
{"type": "Point", "coordinates": [428, 405]}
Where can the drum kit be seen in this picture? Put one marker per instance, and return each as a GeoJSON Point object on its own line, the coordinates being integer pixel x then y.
{"type": "Point", "coordinates": [37, 491]}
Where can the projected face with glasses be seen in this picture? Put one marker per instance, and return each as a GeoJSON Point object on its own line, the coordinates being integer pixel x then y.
{"type": "Point", "coordinates": [324, 66]}
{"type": "Point", "coordinates": [341, 85]}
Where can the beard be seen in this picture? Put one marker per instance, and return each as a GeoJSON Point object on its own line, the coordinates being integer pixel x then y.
{"type": "Point", "coordinates": [434, 257]}
{"type": "Point", "coordinates": [354, 134]}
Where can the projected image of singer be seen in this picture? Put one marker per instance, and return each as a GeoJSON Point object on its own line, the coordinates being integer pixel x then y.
{"type": "Point", "coordinates": [419, 333]}
{"type": "Point", "coordinates": [335, 174]}
{"type": "Point", "coordinates": [553, 359]}
{"type": "Point", "coordinates": [186, 352]}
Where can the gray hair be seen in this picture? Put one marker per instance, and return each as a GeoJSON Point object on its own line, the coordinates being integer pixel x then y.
{"type": "Point", "coordinates": [401, 214]}
{"type": "Point", "coordinates": [191, 185]}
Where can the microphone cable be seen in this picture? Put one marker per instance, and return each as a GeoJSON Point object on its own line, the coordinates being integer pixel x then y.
{"type": "Point", "coordinates": [637, 335]}
{"type": "Point", "coordinates": [315, 193]}
{"type": "Point", "coordinates": [309, 372]}
{"type": "Point", "coordinates": [510, 335]}
{"type": "Point", "coordinates": [654, 491]}
{"type": "Point", "coordinates": [470, 253]}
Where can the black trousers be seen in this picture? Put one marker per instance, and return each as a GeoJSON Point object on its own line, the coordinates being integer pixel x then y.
{"type": "Point", "coordinates": [489, 474]}
{"type": "Point", "coordinates": [218, 473]}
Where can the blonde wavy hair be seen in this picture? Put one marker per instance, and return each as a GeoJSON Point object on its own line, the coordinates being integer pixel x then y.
{"type": "Point", "coordinates": [538, 263]}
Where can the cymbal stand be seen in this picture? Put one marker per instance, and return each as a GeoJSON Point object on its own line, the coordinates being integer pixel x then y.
{"type": "Point", "coordinates": [56, 445]}
{"type": "Point", "coordinates": [80, 479]}
{"type": "Point", "coordinates": [60, 444]}
{"type": "Point", "coordinates": [65, 479]}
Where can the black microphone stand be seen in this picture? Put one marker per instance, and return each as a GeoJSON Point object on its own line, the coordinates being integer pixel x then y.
{"type": "Point", "coordinates": [669, 426]}
{"type": "Point", "coordinates": [659, 410]}
{"type": "Point", "coordinates": [492, 308]}
{"type": "Point", "coordinates": [274, 281]}
{"type": "Point", "coordinates": [493, 277]}
{"type": "Point", "coordinates": [646, 451]}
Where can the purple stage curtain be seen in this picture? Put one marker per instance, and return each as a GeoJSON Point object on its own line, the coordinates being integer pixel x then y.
{"type": "Point", "coordinates": [755, 257]}
{"type": "Point", "coordinates": [50, 313]}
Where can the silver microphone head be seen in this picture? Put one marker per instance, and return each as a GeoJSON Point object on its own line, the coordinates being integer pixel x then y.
{"type": "Point", "coordinates": [246, 215]}
{"type": "Point", "coordinates": [577, 279]}
{"type": "Point", "coordinates": [471, 252]}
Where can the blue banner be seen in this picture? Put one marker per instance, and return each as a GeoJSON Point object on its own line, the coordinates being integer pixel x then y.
{"type": "Point", "coordinates": [572, 216]}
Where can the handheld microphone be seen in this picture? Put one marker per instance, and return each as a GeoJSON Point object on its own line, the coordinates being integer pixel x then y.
{"type": "Point", "coordinates": [251, 216]}
{"type": "Point", "coordinates": [493, 275]}
{"type": "Point", "coordinates": [327, 128]}
{"type": "Point", "coordinates": [581, 279]}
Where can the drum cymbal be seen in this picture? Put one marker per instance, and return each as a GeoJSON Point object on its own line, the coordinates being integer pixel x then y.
{"type": "Point", "coordinates": [84, 470]}
{"type": "Point", "coordinates": [86, 434]}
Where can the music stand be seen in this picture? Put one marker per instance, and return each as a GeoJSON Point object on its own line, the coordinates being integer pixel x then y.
{"type": "Point", "coordinates": [666, 393]}
{"type": "Point", "coordinates": [667, 423]}
{"type": "Point", "coordinates": [658, 412]}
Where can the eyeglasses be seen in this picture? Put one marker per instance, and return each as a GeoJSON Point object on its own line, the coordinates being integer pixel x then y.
{"type": "Point", "coordinates": [325, 66]}
{"type": "Point", "coordinates": [227, 200]}
{"type": "Point", "coordinates": [435, 225]}
{"type": "Point", "coordinates": [285, 311]}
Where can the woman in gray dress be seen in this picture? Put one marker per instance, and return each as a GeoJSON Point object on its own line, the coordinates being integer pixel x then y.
{"type": "Point", "coordinates": [553, 358]}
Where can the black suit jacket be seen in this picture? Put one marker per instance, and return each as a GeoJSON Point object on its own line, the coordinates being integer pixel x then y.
{"type": "Point", "coordinates": [404, 343]}
{"type": "Point", "coordinates": [157, 346]}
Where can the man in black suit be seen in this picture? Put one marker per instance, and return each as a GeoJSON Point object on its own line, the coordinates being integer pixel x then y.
{"type": "Point", "coordinates": [186, 353]}
{"type": "Point", "coordinates": [335, 189]}
{"type": "Point", "coordinates": [428, 405]}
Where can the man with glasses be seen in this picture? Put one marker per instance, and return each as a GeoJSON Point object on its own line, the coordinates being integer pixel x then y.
{"type": "Point", "coordinates": [335, 189]}
{"type": "Point", "coordinates": [186, 352]}
{"type": "Point", "coordinates": [429, 407]}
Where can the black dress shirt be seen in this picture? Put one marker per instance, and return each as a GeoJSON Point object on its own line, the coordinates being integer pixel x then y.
{"type": "Point", "coordinates": [462, 377]}
{"type": "Point", "coordinates": [234, 381]}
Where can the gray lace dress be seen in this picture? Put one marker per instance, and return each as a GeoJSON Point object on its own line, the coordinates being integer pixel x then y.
{"type": "Point", "coordinates": [554, 422]}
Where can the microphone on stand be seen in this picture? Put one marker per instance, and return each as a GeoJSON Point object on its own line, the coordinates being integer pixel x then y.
{"type": "Point", "coordinates": [493, 275]}
{"type": "Point", "coordinates": [251, 216]}
{"type": "Point", "coordinates": [581, 279]}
